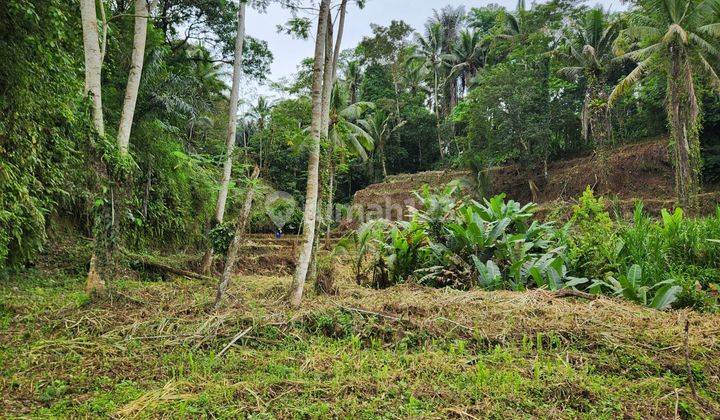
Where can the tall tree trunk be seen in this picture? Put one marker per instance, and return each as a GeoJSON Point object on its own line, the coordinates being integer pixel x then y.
{"type": "Point", "coordinates": [331, 152]}
{"type": "Point", "coordinates": [136, 66]}
{"type": "Point", "coordinates": [231, 131]}
{"type": "Point", "coordinates": [93, 69]}
{"type": "Point", "coordinates": [331, 197]}
{"type": "Point", "coordinates": [93, 64]}
{"type": "Point", "coordinates": [683, 114]}
{"type": "Point", "coordinates": [311, 197]}
{"type": "Point", "coordinates": [328, 78]}
{"type": "Point", "coordinates": [437, 115]}
{"type": "Point", "coordinates": [237, 239]}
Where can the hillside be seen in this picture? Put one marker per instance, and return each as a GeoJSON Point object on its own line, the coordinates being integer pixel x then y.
{"type": "Point", "coordinates": [638, 171]}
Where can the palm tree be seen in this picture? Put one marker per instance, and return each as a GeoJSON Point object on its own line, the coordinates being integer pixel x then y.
{"type": "Point", "coordinates": [588, 50]}
{"type": "Point", "coordinates": [515, 23]}
{"type": "Point", "coordinates": [467, 57]}
{"type": "Point", "coordinates": [429, 50]}
{"type": "Point", "coordinates": [258, 114]}
{"type": "Point", "coordinates": [346, 135]}
{"type": "Point", "coordinates": [675, 38]}
{"type": "Point", "coordinates": [380, 126]}
{"type": "Point", "coordinates": [450, 20]}
{"type": "Point", "coordinates": [353, 77]}
{"type": "Point", "coordinates": [414, 76]}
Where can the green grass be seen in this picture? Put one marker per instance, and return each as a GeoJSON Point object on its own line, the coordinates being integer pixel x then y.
{"type": "Point", "coordinates": [62, 355]}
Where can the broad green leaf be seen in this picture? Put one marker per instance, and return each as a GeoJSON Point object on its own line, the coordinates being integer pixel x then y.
{"type": "Point", "coordinates": [665, 297]}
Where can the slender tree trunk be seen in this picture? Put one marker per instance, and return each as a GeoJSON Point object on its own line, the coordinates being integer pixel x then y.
{"type": "Point", "coordinates": [237, 239]}
{"type": "Point", "coordinates": [231, 131]}
{"type": "Point", "coordinates": [383, 165]}
{"type": "Point", "coordinates": [103, 17]}
{"type": "Point", "coordinates": [311, 198]}
{"type": "Point", "coordinates": [93, 88]}
{"type": "Point", "coordinates": [331, 150]}
{"type": "Point", "coordinates": [93, 66]}
{"type": "Point", "coordinates": [683, 114]}
{"type": "Point", "coordinates": [437, 116]}
{"type": "Point", "coordinates": [133, 84]}
{"type": "Point", "coordinates": [327, 79]}
{"type": "Point", "coordinates": [325, 123]}
{"type": "Point", "coordinates": [331, 196]}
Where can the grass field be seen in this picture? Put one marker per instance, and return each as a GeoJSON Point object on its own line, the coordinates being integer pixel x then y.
{"type": "Point", "coordinates": [152, 350]}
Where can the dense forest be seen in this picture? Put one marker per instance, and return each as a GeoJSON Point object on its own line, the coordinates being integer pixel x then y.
{"type": "Point", "coordinates": [148, 206]}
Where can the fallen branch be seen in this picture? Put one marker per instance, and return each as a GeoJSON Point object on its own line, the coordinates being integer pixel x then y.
{"type": "Point", "coordinates": [234, 340]}
{"type": "Point", "coordinates": [145, 261]}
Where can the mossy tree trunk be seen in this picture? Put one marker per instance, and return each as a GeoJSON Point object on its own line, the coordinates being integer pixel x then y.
{"type": "Point", "coordinates": [683, 114]}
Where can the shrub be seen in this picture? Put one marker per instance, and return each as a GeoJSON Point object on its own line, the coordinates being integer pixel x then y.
{"type": "Point", "coordinates": [447, 242]}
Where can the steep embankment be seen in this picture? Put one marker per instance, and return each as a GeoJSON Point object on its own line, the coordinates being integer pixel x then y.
{"type": "Point", "coordinates": [638, 171]}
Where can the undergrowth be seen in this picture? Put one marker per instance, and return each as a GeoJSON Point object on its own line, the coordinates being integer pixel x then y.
{"type": "Point", "coordinates": [151, 350]}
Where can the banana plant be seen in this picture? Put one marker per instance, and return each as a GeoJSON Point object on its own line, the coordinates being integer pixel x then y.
{"type": "Point", "coordinates": [631, 287]}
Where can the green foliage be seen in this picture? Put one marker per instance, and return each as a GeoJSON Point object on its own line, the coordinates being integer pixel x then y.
{"type": "Point", "coordinates": [595, 248]}
{"type": "Point", "coordinates": [221, 236]}
{"type": "Point", "coordinates": [377, 84]}
{"type": "Point", "coordinates": [674, 259]}
{"type": "Point", "coordinates": [447, 242]}
{"type": "Point", "coordinates": [45, 130]}
{"type": "Point", "coordinates": [496, 244]}
{"type": "Point", "coordinates": [632, 287]}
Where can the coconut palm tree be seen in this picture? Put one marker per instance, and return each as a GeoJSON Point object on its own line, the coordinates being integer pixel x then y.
{"type": "Point", "coordinates": [675, 38]}
{"type": "Point", "coordinates": [346, 136]}
{"type": "Point", "coordinates": [258, 114]}
{"type": "Point", "coordinates": [451, 20]}
{"type": "Point", "coordinates": [429, 50]}
{"type": "Point", "coordinates": [516, 23]}
{"type": "Point", "coordinates": [380, 126]}
{"type": "Point", "coordinates": [588, 51]}
{"type": "Point", "coordinates": [467, 57]}
{"type": "Point", "coordinates": [414, 76]}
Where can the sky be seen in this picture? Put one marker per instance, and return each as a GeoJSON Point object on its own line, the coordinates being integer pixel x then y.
{"type": "Point", "coordinates": [289, 52]}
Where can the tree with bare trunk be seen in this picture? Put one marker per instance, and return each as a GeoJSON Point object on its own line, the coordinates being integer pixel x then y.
{"type": "Point", "coordinates": [93, 66]}
{"type": "Point", "coordinates": [231, 130]}
{"type": "Point", "coordinates": [240, 227]}
{"type": "Point", "coordinates": [311, 197]}
{"type": "Point", "coordinates": [93, 69]}
{"type": "Point", "coordinates": [329, 91]}
{"type": "Point", "coordinates": [142, 12]}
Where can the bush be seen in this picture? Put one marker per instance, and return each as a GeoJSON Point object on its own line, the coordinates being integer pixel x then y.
{"type": "Point", "coordinates": [448, 242]}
